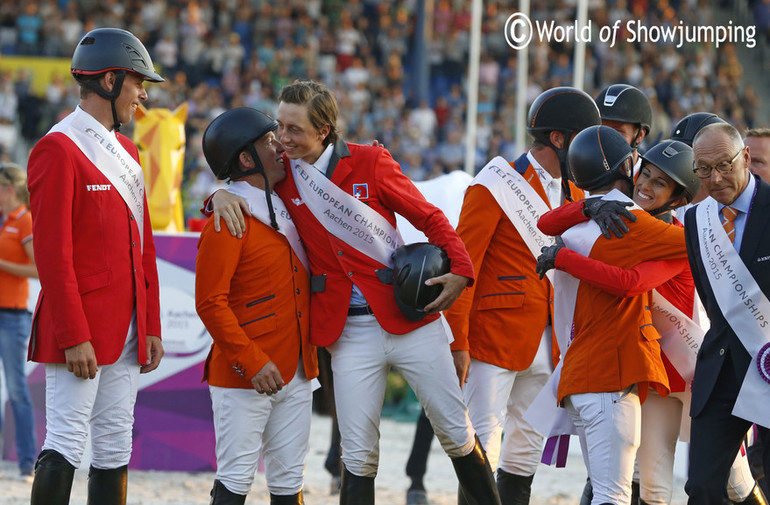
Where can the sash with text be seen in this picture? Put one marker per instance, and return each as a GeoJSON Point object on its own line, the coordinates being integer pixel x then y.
{"type": "Point", "coordinates": [522, 205]}
{"type": "Point", "coordinates": [346, 217]}
{"type": "Point", "coordinates": [255, 197]}
{"type": "Point", "coordinates": [108, 155]}
{"type": "Point", "coordinates": [744, 306]}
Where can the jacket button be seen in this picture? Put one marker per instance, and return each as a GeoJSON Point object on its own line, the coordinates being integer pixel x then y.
{"type": "Point", "coordinates": [299, 314]}
{"type": "Point", "coordinates": [339, 253]}
{"type": "Point", "coordinates": [350, 274]}
{"type": "Point", "coordinates": [133, 244]}
{"type": "Point", "coordinates": [295, 269]}
{"type": "Point", "coordinates": [131, 217]}
{"type": "Point", "coordinates": [722, 351]}
{"type": "Point", "coordinates": [297, 290]}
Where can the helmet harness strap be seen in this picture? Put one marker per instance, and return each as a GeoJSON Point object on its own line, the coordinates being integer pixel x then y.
{"type": "Point", "coordinates": [113, 95]}
{"type": "Point", "coordinates": [258, 169]}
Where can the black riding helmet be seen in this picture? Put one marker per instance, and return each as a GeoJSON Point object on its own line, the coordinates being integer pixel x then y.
{"type": "Point", "coordinates": [598, 156]}
{"type": "Point", "coordinates": [111, 49]}
{"type": "Point", "coordinates": [689, 126]}
{"type": "Point", "coordinates": [413, 264]}
{"type": "Point", "coordinates": [563, 109]}
{"type": "Point", "coordinates": [674, 159]}
{"type": "Point", "coordinates": [626, 104]}
{"type": "Point", "coordinates": [231, 133]}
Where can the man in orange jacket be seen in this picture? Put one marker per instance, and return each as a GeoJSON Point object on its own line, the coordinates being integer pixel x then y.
{"type": "Point", "coordinates": [250, 293]}
{"type": "Point", "coordinates": [613, 355]}
{"type": "Point", "coordinates": [502, 324]}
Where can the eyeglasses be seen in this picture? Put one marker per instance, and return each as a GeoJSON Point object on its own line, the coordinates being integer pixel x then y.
{"type": "Point", "coordinates": [724, 167]}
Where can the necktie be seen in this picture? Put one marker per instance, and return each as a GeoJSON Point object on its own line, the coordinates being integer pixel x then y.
{"type": "Point", "coordinates": [728, 217]}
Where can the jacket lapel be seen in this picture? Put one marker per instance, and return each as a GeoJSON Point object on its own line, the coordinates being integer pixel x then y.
{"type": "Point", "coordinates": [340, 151]}
{"type": "Point", "coordinates": [757, 223]}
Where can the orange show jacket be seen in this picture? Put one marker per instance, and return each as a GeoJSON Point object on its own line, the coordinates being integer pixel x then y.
{"type": "Point", "coordinates": [614, 343]}
{"type": "Point", "coordinates": [253, 295]}
{"type": "Point", "coordinates": [501, 318]}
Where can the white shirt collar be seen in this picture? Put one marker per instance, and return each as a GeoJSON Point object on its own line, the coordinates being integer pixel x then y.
{"type": "Point", "coordinates": [322, 163]}
{"type": "Point", "coordinates": [552, 185]}
{"type": "Point", "coordinates": [545, 177]}
{"type": "Point", "coordinates": [743, 202]}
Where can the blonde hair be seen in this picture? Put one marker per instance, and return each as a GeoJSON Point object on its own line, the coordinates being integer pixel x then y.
{"type": "Point", "coordinates": [757, 133]}
{"type": "Point", "coordinates": [320, 102]}
{"type": "Point", "coordinates": [13, 175]}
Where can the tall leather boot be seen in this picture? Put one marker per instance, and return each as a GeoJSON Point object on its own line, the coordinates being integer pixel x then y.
{"type": "Point", "coordinates": [356, 490]}
{"type": "Point", "coordinates": [514, 489]}
{"type": "Point", "coordinates": [220, 495]}
{"type": "Point", "coordinates": [107, 487]}
{"type": "Point", "coordinates": [756, 497]}
{"type": "Point", "coordinates": [477, 483]}
{"type": "Point", "coordinates": [460, 496]}
{"type": "Point", "coordinates": [281, 499]}
{"type": "Point", "coordinates": [588, 493]}
{"type": "Point", "coordinates": [53, 479]}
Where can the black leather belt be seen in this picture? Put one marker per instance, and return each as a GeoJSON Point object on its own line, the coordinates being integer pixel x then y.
{"type": "Point", "coordinates": [361, 310]}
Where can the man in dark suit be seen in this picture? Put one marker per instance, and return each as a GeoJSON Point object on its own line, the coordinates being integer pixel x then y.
{"type": "Point", "coordinates": [731, 387]}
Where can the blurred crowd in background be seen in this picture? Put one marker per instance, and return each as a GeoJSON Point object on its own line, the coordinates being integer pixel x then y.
{"type": "Point", "coordinates": [218, 54]}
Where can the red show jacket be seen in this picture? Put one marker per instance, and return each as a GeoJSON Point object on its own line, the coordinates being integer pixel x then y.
{"type": "Point", "coordinates": [389, 192]}
{"type": "Point", "coordinates": [93, 272]}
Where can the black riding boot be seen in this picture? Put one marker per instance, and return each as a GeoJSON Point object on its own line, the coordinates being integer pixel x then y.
{"type": "Point", "coordinates": [635, 497]}
{"type": "Point", "coordinates": [460, 496]}
{"type": "Point", "coordinates": [53, 479]}
{"type": "Point", "coordinates": [107, 487]}
{"type": "Point", "coordinates": [513, 489]}
{"type": "Point", "coordinates": [477, 483]}
{"type": "Point", "coordinates": [756, 497]}
{"type": "Point", "coordinates": [588, 493]}
{"type": "Point", "coordinates": [220, 495]}
{"type": "Point", "coordinates": [356, 490]}
{"type": "Point", "coordinates": [282, 499]}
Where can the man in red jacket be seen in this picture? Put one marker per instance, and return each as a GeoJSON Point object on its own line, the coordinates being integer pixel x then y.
{"type": "Point", "coordinates": [343, 198]}
{"type": "Point", "coordinates": [97, 321]}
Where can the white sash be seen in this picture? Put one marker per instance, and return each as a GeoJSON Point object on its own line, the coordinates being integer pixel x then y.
{"type": "Point", "coordinates": [255, 197]}
{"type": "Point", "coordinates": [346, 217]}
{"type": "Point", "coordinates": [743, 305]}
{"type": "Point", "coordinates": [680, 336]}
{"type": "Point", "coordinates": [522, 205]}
{"type": "Point", "coordinates": [108, 155]}
{"type": "Point", "coordinates": [544, 414]}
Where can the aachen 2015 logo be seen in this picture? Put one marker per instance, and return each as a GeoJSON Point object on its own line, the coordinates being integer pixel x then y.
{"type": "Point", "coordinates": [519, 31]}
